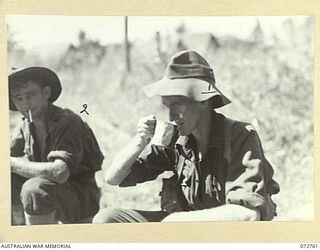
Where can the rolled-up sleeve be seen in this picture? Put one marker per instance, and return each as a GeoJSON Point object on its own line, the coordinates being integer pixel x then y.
{"type": "Point", "coordinates": [250, 186]}
{"type": "Point", "coordinates": [68, 143]}
{"type": "Point", "coordinates": [151, 163]}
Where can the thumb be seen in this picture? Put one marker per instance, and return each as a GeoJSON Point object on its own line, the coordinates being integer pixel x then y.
{"type": "Point", "coordinates": [246, 158]}
{"type": "Point", "coordinates": [250, 163]}
{"type": "Point", "coordinates": [152, 117]}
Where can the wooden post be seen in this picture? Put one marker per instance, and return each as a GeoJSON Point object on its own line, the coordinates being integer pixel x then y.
{"type": "Point", "coordinates": [127, 45]}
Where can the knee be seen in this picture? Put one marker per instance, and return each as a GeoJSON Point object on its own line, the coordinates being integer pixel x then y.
{"type": "Point", "coordinates": [106, 215]}
{"type": "Point", "coordinates": [17, 215]}
{"type": "Point", "coordinates": [34, 194]}
{"type": "Point", "coordinates": [32, 186]}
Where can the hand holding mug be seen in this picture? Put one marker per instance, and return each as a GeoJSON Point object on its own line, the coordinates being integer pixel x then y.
{"type": "Point", "coordinates": [146, 127]}
{"type": "Point", "coordinates": [165, 135]}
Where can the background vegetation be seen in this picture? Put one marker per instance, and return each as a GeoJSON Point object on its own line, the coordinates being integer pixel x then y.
{"type": "Point", "coordinates": [269, 80]}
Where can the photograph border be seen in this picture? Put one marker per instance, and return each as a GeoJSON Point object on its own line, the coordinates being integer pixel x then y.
{"type": "Point", "coordinates": [275, 231]}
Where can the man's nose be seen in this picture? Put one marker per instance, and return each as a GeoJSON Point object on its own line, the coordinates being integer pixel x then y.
{"type": "Point", "coordinates": [26, 103]}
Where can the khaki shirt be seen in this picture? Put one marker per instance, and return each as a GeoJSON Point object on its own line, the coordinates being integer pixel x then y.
{"type": "Point", "coordinates": [210, 181]}
{"type": "Point", "coordinates": [68, 138]}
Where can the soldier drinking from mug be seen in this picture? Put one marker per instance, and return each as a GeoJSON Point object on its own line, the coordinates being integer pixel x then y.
{"type": "Point", "coordinates": [220, 170]}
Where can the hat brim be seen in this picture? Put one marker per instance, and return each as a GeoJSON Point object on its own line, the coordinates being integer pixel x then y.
{"type": "Point", "coordinates": [45, 75]}
{"type": "Point", "coordinates": [193, 88]}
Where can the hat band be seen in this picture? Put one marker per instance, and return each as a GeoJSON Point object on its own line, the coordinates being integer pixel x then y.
{"type": "Point", "coordinates": [178, 71]}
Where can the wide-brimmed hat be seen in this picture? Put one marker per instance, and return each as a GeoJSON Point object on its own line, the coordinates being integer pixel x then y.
{"type": "Point", "coordinates": [46, 76]}
{"type": "Point", "coordinates": [188, 74]}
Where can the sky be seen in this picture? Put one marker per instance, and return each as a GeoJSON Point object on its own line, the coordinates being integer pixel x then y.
{"type": "Point", "coordinates": [36, 30]}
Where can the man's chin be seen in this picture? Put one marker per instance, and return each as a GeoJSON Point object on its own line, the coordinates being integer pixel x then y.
{"type": "Point", "coordinates": [26, 114]}
{"type": "Point", "coordinates": [183, 133]}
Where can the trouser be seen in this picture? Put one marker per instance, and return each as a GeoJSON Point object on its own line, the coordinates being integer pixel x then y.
{"type": "Point", "coordinates": [115, 215]}
{"type": "Point", "coordinates": [70, 201]}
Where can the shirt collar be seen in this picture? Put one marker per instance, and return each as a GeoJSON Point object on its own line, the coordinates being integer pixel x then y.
{"type": "Point", "coordinates": [52, 116]}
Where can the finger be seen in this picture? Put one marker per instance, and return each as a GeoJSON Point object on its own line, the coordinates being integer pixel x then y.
{"type": "Point", "coordinates": [146, 125]}
{"type": "Point", "coordinates": [151, 122]}
{"type": "Point", "coordinates": [254, 163]}
{"type": "Point", "coordinates": [149, 128]}
{"type": "Point", "coordinates": [147, 133]}
{"type": "Point", "coordinates": [250, 163]}
{"type": "Point", "coordinates": [151, 117]}
{"type": "Point", "coordinates": [147, 120]}
{"type": "Point", "coordinates": [246, 158]}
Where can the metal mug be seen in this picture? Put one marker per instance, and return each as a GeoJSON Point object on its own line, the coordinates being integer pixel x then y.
{"type": "Point", "coordinates": [165, 134]}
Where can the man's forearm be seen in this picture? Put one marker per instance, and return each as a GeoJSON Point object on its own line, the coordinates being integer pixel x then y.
{"type": "Point", "coordinates": [56, 171]}
{"type": "Point", "coordinates": [122, 163]}
{"type": "Point", "coordinates": [229, 212]}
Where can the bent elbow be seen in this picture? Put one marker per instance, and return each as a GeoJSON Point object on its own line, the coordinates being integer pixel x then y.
{"type": "Point", "coordinates": [62, 177]}
{"type": "Point", "coordinates": [61, 173]}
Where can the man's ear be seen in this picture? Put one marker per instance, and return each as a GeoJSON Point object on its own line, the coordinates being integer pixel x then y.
{"type": "Point", "coordinates": [47, 92]}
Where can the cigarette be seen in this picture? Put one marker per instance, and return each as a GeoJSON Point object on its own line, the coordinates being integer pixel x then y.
{"type": "Point", "coordinates": [173, 122]}
{"type": "Point", "coordinates": [30, 115]}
